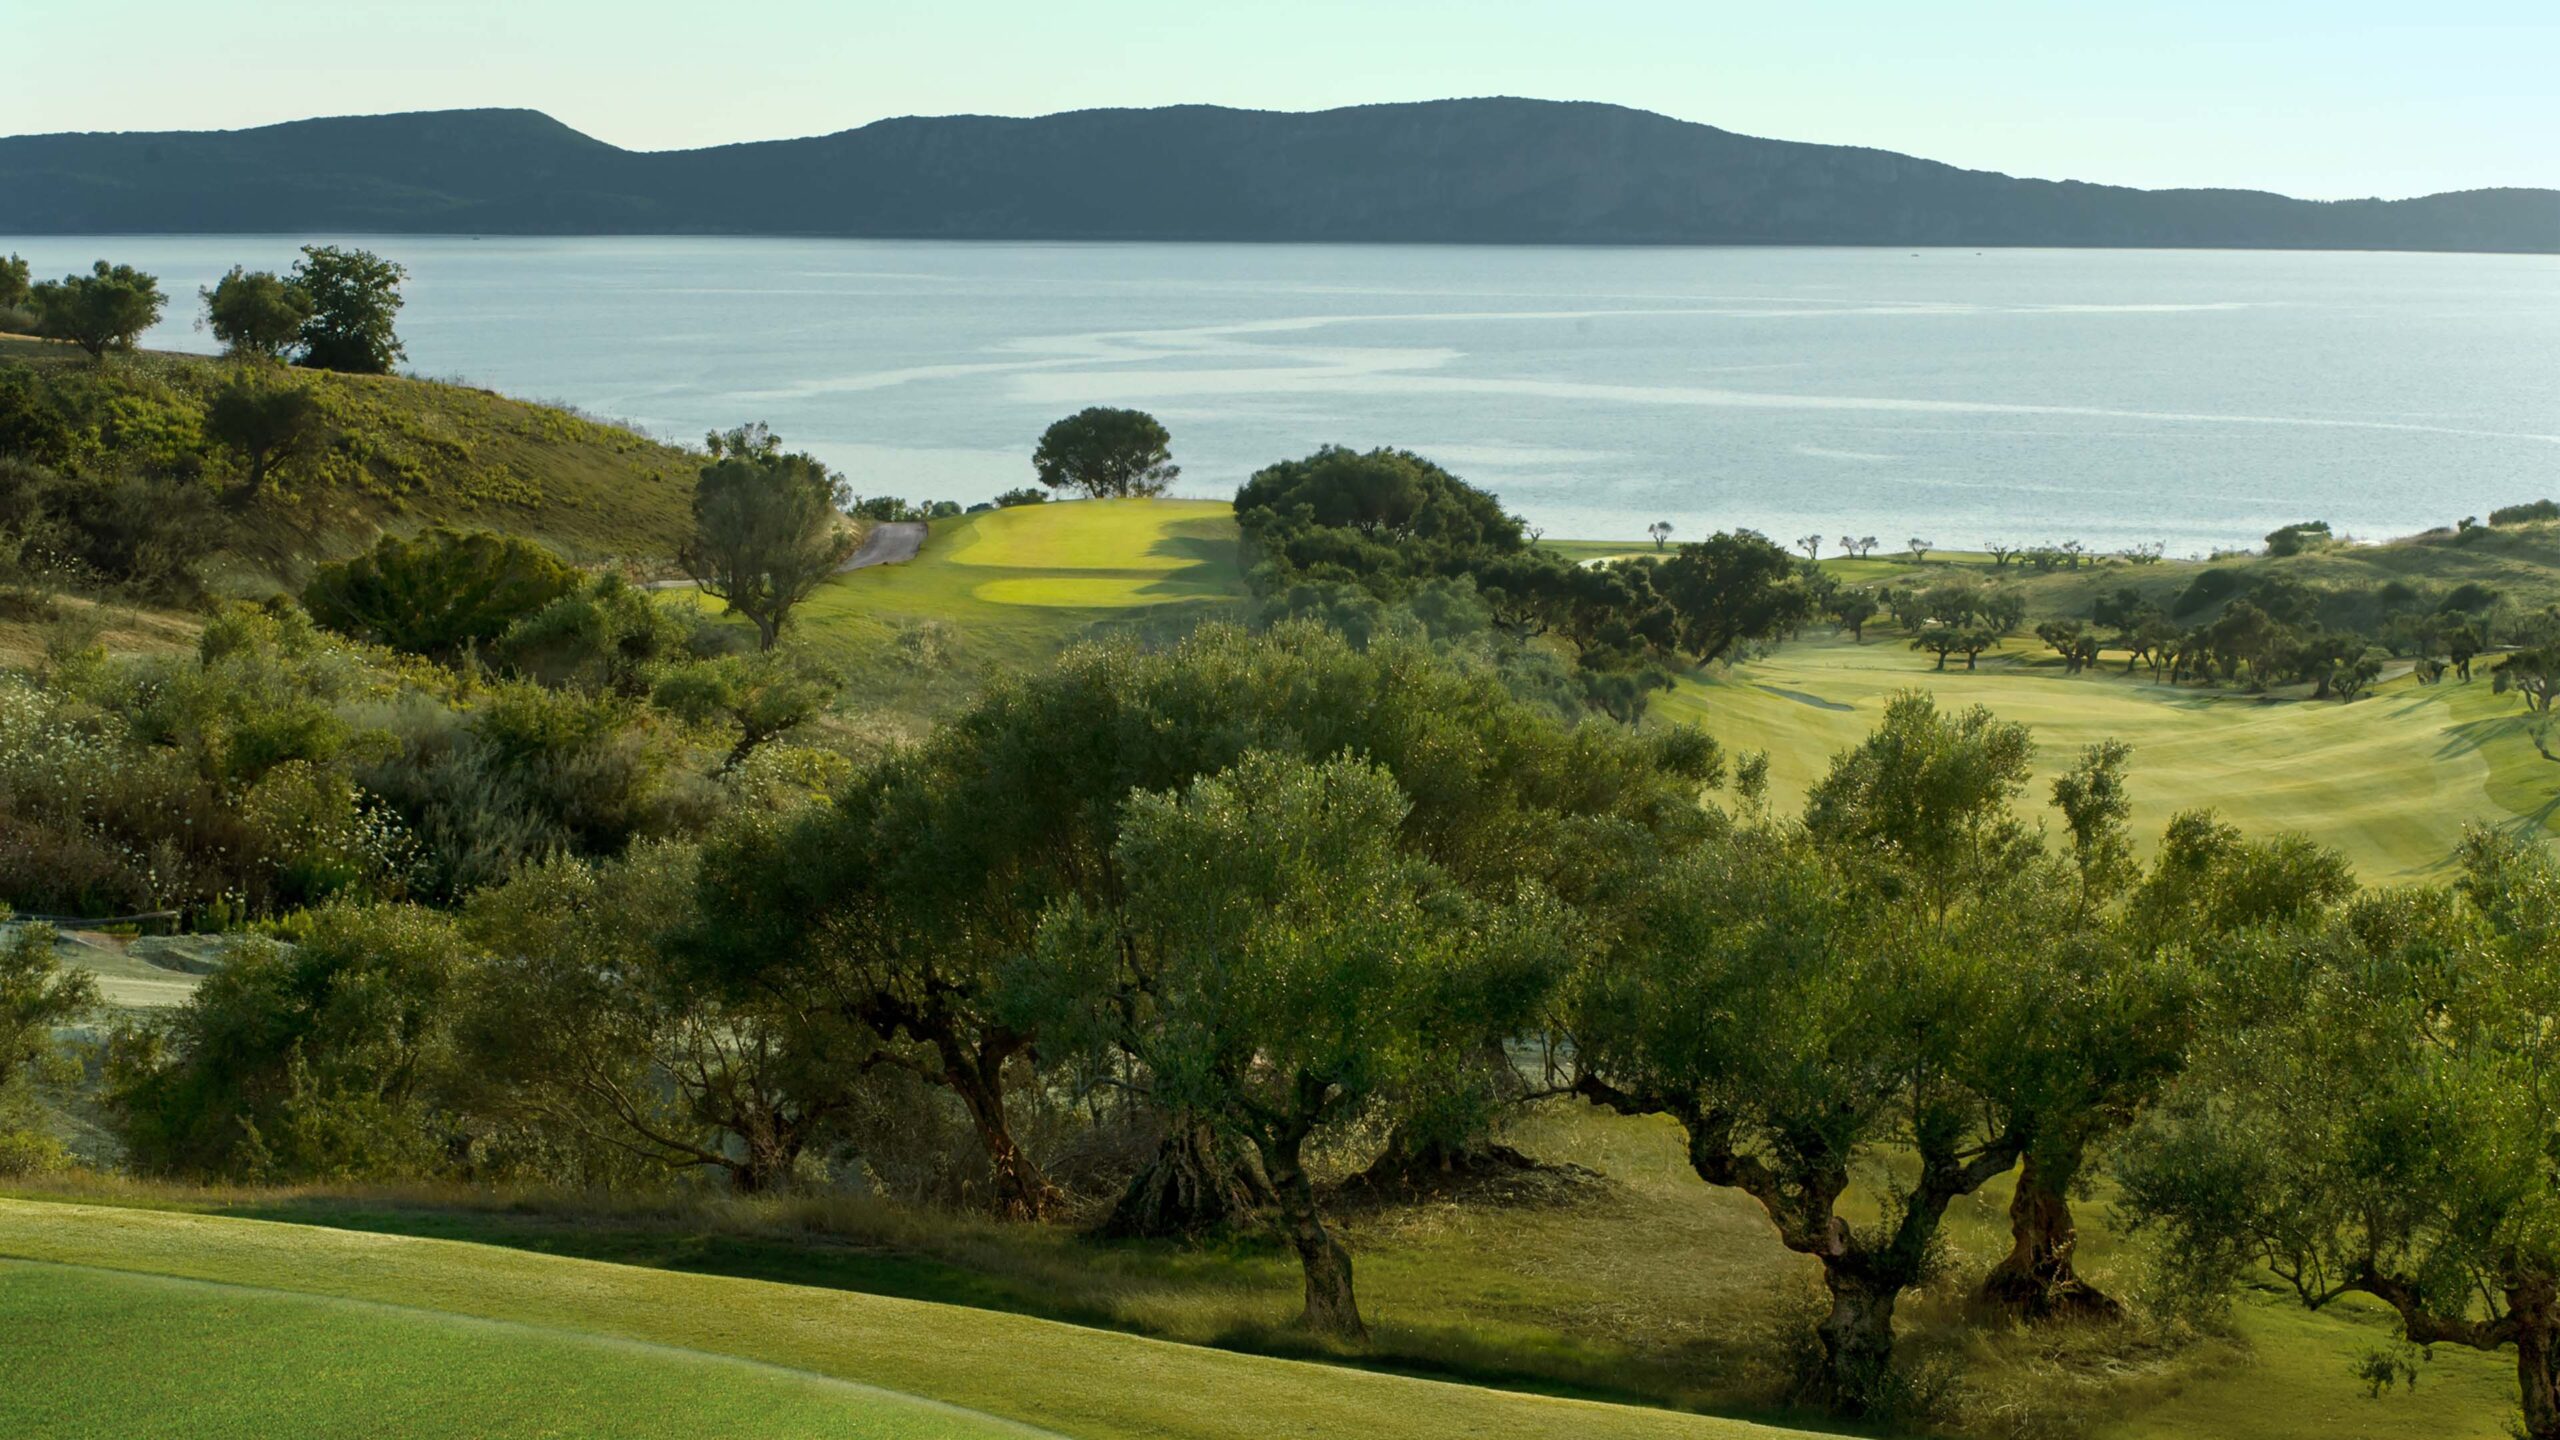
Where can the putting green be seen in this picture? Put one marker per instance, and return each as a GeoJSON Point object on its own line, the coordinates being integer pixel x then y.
{"type": "Point", "coordinates": [1015, 585]}
{"type": "Point", "coordinates": [2391, 780]}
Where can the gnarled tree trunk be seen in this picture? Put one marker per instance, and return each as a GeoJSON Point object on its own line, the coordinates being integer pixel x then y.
{"type": "Point", "coordinates": [1197, 1180]}
{"type": "Point", "coordinates": [1021, 1191]}
{"type": "Point", "coordinates": [1857, 1340]}
{"type": "Point", "coordinates": [2537, 1319]}
{"type": "Point", "coordinates": [2036, 1280]}
{"type": "Point", "coordinates": [1331, 1308]}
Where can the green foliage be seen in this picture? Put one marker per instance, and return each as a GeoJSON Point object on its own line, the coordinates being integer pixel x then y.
{"type": "Point", "coordinates": [1288, 966]}
{"type": "Point", "coordinates": [266, 424]}
{"type": "Point", "coordinates": [767, 528]}
{"type": "Point", "coordinates": [597, 1054]}
{"type": "Point", "coordinates": [217, 779]}
{"type": "Point", "coordinates": [603, 634]}
{"type": "Point", "coordinates": [1924, 805]}
{"type": "Point", "coordinates": [255, 313]}
{"type": "Point", "coordinates": [1383, 519]}
{"type": "Point", "coordinates": [1024, 496]}
{"type": "Point", "coordinates": [38, 997]}
{"type": "Point", "coordinates": [2374, 1116]}
{"type": "Point", "coordinates": [761, 698]}
{"type": "Point", "coordinates": [913, 896]}
{"type": "Point", "coordinates": [2298, 538]}
{"type": "Point", "coordinates": [323, 1059]}
{"type": "Point", "coordinates": [14, 288]}
{"type": "Point", "coordinates": [1732, 589]}
{"type": "Point", "coordinates": [1105, 453]}
{"type": "Point", "coordinates": [439, 593]}
{"type": "Point", "coordinates": [107, 309]}
{"type": "Point", "coordinates": [354, 299]}
{"type": "Point", "coordinates": [2525, 514]}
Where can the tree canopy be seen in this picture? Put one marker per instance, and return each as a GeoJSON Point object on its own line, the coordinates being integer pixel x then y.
{"type": "Point", "coordinates": [768, 527]}
{"type": "Point", "coordinates": [256, 313]}
{"type": "Point", "coordinates": [106, 309]}
{"type": "Point", "coordinates": [354, 298]}
{"type": "Point", "coordinates": [1106, 453]}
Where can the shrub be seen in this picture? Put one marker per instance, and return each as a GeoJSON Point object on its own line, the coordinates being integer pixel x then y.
{"type": "Point", "coordinates": [2525, 514]}
{"type": "Point", "coordinates": [323, 1059]}
{"type": "Point", "coordinates": [438, 594]}
{"type": "Point", "coordinates": [2299, 537]}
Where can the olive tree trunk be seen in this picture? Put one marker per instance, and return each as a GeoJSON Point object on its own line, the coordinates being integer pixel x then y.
{"type": "Point", "coordinates": [1331, 1308]}
{"type": "Point", "coordinates": [2036, 1280]}
{"type": "Point", "coordinates": [1197, 1180]}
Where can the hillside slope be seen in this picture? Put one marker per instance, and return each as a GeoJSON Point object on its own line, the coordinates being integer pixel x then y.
{"type": "Point", "coordinates": [397, 454]}
{"type": "Point", "coordinates": [1472, 171]}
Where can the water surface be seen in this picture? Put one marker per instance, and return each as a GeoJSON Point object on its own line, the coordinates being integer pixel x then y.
{"type": "Point", "coordinates": [2194, 398]}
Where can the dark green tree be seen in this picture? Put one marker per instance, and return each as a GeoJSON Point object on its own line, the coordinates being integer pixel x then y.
{"type": "Point", "coordinates": [256, 314]}
{"type": "Point", "coordinates": [768, 528]}
{"type": "Point", "coordinates": [267, 424]}
{"type": "Point", "coordinates": [106, 309]}
{"type": "Point", "coordinates": [14, 286]}
{"type": "Point", "coordinates": [1106, 453]}
{"type": "Point", "coordinates": [1731, 588]}
{"type": "Point", "coordinates": [354, 297]}
{"type": "Point", "coordinates": [588, 1035]}
{"type": "Point", "coordinates": [320, 1060]}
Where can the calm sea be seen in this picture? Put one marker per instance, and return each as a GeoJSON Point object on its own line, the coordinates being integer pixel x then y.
{"type": "Point", "coordinates": [2118, 397]}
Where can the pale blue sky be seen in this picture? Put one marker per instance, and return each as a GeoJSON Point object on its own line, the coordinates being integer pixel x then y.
{"type": "Point", "coordinates": [2324, 99]}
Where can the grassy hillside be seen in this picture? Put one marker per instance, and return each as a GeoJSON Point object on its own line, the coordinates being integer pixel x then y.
{"type": "Point", "coordinates": [400, 454]}
{"type": "Point", "coordinates": [2391, 780]}
{"type": "Point", "coordinates": [1082, 1382]}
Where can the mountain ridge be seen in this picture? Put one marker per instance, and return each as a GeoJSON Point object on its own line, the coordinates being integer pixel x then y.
{"type": "Point", "coordinates": [1447, 171]}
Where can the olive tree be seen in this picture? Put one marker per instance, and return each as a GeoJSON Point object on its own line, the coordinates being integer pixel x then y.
{"type": "Point", "coordinates": [1802, 1031]}
{"type": "Point", "coordinates": [768, 527]}
{"type": "Point", "coordinates": [913, 898]}
{"type": "Point", "coordinates": [1282, 965]}
{"type": "Point", "coordinates": [590, 1037]}
{"type": "Point", "coordinates": [2376, 1117]}
{"type": "Point", "coordinates": [39, 995]}
{"type": "Point", "coordinates": [106, 309]}
{"type": "Point", "coordinates": [266, 425]}
{"type": "Point", "coordinates": [1106, 453]}
{"type": "Point", "coordinates": [354, 298]}
{"type": "Point", "coordinates": [255, 313]}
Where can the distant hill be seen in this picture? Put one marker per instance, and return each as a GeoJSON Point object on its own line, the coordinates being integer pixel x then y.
{"type": "Point", "coordinates": [1500, 171]}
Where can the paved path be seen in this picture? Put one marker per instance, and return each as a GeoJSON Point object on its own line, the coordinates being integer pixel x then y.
{"type": "Point", "coordinates": [891, 542]}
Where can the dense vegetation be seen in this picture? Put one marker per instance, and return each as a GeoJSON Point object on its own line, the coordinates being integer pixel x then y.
{"type": "Point", "coordinates": [537, 881]}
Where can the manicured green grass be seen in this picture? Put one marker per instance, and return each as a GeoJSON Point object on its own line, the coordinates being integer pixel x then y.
{"type": "Point", "coordinates": [1083, 1382]}
{"type": "Point", "coordinates": [104, 1353]}
{"type": "Point", "coordinates": [1012, 587]}
{"type": "Point", "coordinates": [1647, 1287]}
{"type": "Point", "coordinates": [2391, 780]}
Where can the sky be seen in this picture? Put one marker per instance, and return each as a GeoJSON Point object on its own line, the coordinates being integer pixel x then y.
{"type": "Point", "coordinates": [2328, 100]}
